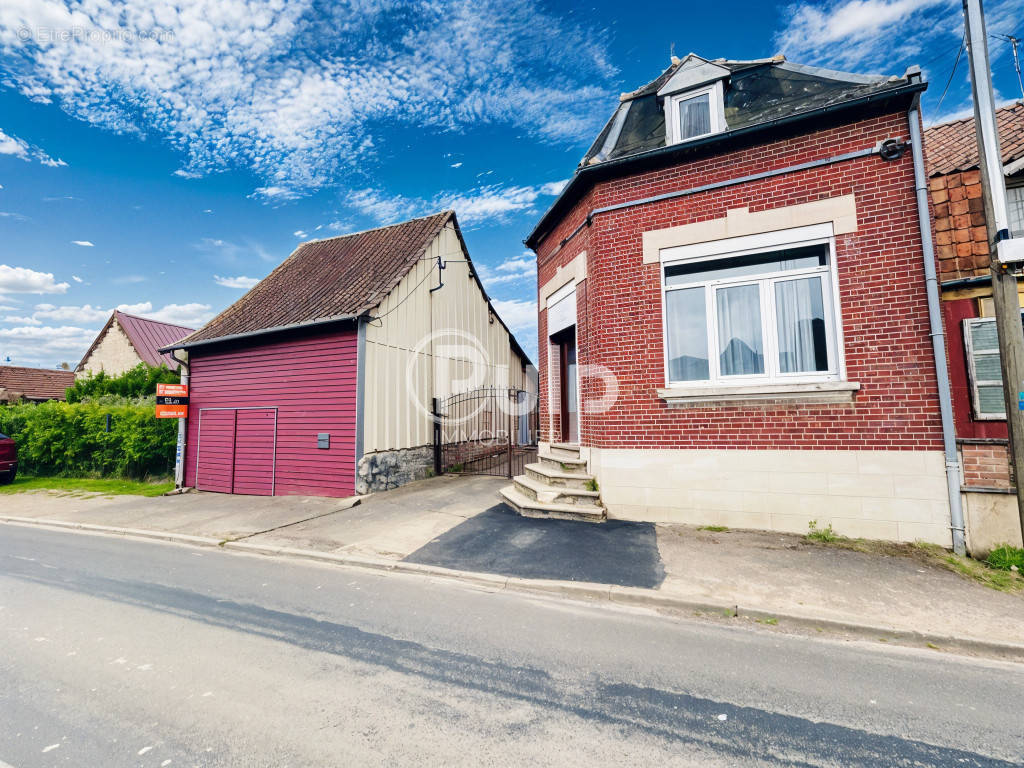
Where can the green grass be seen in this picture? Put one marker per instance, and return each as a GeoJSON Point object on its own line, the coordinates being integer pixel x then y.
{"type": "Point", "coordinates": [1004, 558]}
{"type": "Point", "coordinates": [826, 534]}
{"type": "Point", "coordinates": [591, 484]}
{"type": "Point", "coordinates": [713, 528]}
{"type": "Point", "coordinates": [79, 485]}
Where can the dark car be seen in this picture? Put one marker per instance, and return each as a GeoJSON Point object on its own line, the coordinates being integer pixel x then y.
{"type": "Point", "coordinates": [8, 459]}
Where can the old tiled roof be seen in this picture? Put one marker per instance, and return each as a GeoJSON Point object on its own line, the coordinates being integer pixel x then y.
{"type": "Point", "coordinates": [146, 336]}
{"type": "Point", "coordinates": [35, 383]}
{"type": "Point", "coordinates": [952, 146]}
{"type": "Point", "coordinates": [323, 279]}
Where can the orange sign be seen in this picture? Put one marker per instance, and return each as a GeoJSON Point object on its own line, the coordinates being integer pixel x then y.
{"type": "Point", "coordinates": [172, 411]}
{"type": "Point", "coordinates": [172, 390]}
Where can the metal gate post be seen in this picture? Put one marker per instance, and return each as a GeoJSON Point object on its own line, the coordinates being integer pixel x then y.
{"type": "Point", "coordinates": [437, 437]}
{"type": "Point", "coordinates": [511, 421]}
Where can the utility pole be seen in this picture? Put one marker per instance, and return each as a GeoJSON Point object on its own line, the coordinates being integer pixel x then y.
{"type": "Point", "coordinates": [1006, 254]}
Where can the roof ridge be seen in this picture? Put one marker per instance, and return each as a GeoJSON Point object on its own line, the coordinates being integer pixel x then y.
{"type": "Point", "coordinates": [1005, 108]}
{"type": "Point", "coordinates": [151, 320]}
{"type": "Point", "coordinates": [374, 229]}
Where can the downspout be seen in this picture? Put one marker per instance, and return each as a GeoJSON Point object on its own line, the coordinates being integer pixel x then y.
{"type": "Point", "coordinates": [956, 512]}
{"type": "Point", "coordinates": [179, 452]}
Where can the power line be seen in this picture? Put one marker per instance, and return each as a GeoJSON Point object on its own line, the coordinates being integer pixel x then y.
{"type": "Point", "coordinates": [959, 53]}
{"type": "Point", "coordinates": [1014, 42]}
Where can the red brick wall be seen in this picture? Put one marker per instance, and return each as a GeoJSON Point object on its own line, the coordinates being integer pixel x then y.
{"type": "Point", "coordinates": [961, 240]}
{"type": "Point", "coordinates": [986, 465]}
{"type": "Point", "coordinates": [881, 285]}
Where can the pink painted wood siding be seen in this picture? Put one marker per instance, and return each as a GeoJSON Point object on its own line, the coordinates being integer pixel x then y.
{"type": "Point", "coordinates": [312, 383]}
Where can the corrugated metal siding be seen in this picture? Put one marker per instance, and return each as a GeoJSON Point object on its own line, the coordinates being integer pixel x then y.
{"type": "Point", "coordinates": [394, 416]}
{"type": "Point", "coordinates": [311, 381]}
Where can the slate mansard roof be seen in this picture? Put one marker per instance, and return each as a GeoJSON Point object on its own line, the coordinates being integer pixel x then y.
{"type": "Point", "coordinates": [952, 146]}
{"type": "Point", "coordinates": [758, 95]}
{"type": "Point", "coordinates": [336, 279]}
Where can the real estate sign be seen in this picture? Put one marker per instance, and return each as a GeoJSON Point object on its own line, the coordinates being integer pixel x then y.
{"type": "Point", "coordinates": [172, 401]}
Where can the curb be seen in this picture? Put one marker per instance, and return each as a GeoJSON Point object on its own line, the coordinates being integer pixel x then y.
{"type": "Point", "coordinates": [573, 590]}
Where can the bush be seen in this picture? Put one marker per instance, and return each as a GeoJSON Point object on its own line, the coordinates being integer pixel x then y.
{"type": "Point", "coordinates": [71, 439]}
{"type": "Point", "coordinates": [139, 381]}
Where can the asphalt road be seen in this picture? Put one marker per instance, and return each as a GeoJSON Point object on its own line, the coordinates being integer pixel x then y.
{"type": "Point", "coordinates": [116, 652]}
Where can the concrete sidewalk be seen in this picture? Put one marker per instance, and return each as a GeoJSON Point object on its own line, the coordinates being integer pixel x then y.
{"type": "Point", "coordinates": [454, 525]}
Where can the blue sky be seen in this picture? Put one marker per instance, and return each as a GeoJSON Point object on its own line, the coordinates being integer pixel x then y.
{"type": "Point", "coordinates": [161, 156]}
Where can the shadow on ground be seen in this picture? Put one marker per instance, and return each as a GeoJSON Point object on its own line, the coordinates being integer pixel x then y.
{"type": "Point", "coordinates": [500, 541]}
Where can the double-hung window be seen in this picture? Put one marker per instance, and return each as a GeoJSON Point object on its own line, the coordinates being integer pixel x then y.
{"type": "Point", "coordinates": [752, 317]}
{"type": "Point", "coordinates": [1015, 202]}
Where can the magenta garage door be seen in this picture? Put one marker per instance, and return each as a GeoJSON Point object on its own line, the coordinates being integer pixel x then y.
{"type": "Point", "coordinates": [236, 450]}
{"type": "Point", "coordinates": [274, 417]}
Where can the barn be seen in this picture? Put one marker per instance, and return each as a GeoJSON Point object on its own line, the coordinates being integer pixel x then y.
{"type": "Point", "coordinates": [321, 379]}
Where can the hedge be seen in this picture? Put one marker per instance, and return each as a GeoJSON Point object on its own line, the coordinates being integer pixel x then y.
{"type": "Point", "coordinates": [135, 382]}
{"type": "Point", "coordinates": [71, 439]}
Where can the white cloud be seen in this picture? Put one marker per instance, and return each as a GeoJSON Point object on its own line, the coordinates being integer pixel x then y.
{"type": "Point", "coordinates": [300, 233]}
{"type": "Point", "coordinates": [76, 278]}
{"type": "Point", "coordinates": [228, 252]}
{"type": "Point", "coordinates": [553, 187]}
{"type": "Point", "coordinates": [881, 35]}
{"type": "Point", "coordinates": [513, 270]}
{"type": "Point", "coordinates": [128, 279]}
{"type": "Point", "coordinates": [456, 165]}
{"type": "Point", "coordinates": [183, 174]}
{"type": "Point", "coordinates": [491, 203]}
{"type": "Point", "coordinates": [191, 315]}
{"type": "Point", "coordinates": [242, 282]}
{"type": "Point", "coordinates": [259, 85]}
{"type": "Point", "coordinates": [69, 314]}
{"type": "Point", "coordinates": [521, 318]}
{"type": "Point", "coordinates": [45, 346]}
{"type": "Point", "coordinates": [24, 280]}
{"type": "Point", "coordinates": [12, 145]}
{"type": "Point", "coordinates": [83, 243]}
{"type": "Point", "coordinates": [12, 215]}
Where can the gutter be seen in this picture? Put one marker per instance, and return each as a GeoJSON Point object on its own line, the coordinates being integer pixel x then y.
{"type": "Point", "coordinates": [914, 87]}
{"type": "Point", "coordinates": [956, 513]}
{"type": "Point", "coordinates": [260, 332]}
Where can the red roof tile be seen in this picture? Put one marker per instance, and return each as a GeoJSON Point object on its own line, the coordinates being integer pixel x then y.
{"type": "Point", "coordinates": [323, 279]}
{"type": "Point", "coordinates": [952, 146]}
{"type": "Point", "coordinates": [36, 383]}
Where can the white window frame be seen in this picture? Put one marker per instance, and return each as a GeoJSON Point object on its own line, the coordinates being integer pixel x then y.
{"type": "Point", "coordinates": [972, 374]}
{"type": "Point", "coordinates": [1016, 189]}
{"type": "Point", "coordinates": [716, 108]}
{"type": "Point", "coordinates": [744, 246]}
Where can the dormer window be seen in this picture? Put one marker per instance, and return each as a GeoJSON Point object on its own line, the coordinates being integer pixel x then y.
{"type": "Point", "coordinates": [692, 114]}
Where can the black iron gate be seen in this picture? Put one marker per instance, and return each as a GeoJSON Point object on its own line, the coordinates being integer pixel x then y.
{"type": "Point", "coordinates": [485, 431]}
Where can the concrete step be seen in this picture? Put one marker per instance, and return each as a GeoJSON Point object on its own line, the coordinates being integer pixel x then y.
{"type": "Point", "coordinates": [541, 491]}
{"type": "Point", "coordinates": [528, 507]}
{"type": "Point", "coordinates": [545, 473]}
{"type": "Point", "coordinates": [565, 463]}
{"type": "Point", "coordinates": [564, 450]}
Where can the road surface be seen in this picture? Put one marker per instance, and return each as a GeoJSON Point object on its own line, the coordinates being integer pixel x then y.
{"type": "Point", "coordinates": [118, 652]}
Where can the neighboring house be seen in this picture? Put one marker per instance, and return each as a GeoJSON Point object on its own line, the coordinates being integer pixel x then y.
{"type": "Point", "coordinates": [127, 340]}
{"type": "Point", "coordinates": [962, 248]}
{"type": "Point", "coordinates": [733, 316]}
{"type": "Point", "coordinates": [319, 380]}
{"type": "Point", "coordinates": [33, 384]}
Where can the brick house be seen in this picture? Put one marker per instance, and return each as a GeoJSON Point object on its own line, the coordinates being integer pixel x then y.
{"type": "Point", "coordinates": [962, 248]}
{"type": "Point", "coordinates": [733, 313]}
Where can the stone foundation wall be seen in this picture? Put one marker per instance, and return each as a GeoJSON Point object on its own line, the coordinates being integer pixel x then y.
{"type": "Point", "coordinates": [383, 470]}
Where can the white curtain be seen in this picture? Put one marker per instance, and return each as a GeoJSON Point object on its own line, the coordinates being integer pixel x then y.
{"type": "Point", "coordinates": [740, 339]}
{"type": "Point", "coordinates": [801, 325]}
{"type": "Point", "coordinates": [695, 116]}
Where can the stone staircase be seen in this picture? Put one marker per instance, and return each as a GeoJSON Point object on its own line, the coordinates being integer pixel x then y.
{"type": "Point", "coordinates": [556, 486]}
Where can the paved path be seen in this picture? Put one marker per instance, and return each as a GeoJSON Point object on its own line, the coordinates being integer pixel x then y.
{"type": "Point", "coordinates": [123, 653]}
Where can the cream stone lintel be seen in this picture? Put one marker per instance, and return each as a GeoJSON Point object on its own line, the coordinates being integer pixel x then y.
{"type": "Point", "coordinates": [841, 211]}
{"type": "Point", "coordinates": [575, 272]}
{"type": "Point", "coordinates": [828, 391]}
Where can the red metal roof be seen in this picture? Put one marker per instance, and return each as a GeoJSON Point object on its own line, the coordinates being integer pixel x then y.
{"type": "Point", "coordinates": [952, 146]}
{"type": "Point", "coordinates": [324, 279]}
{"type": "Point", "coordinates": [148, 336]}
{"type": "Point", "coordinates": [36, 383]}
